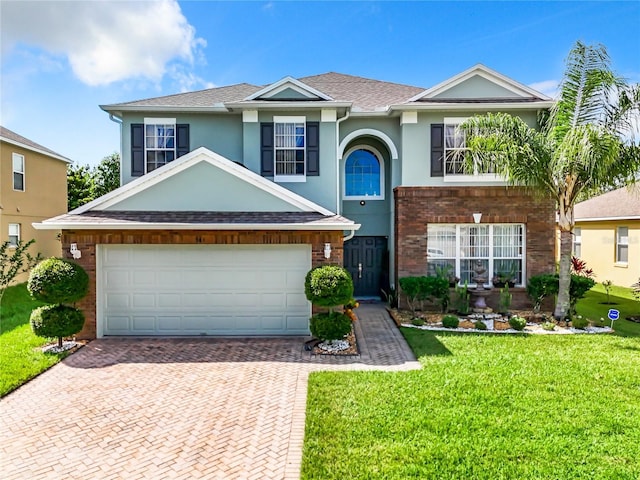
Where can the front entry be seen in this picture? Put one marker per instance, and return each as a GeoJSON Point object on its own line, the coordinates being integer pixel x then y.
{"type": "Point", "coordinates": [366, 259]}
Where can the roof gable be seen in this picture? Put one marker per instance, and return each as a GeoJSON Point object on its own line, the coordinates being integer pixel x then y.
{"type": "Point", "coordinates": [288, 88]}
{"type": "Point", "coordinates": [236, 185]}
{"type": "Point", "coordinates": [479, 82]}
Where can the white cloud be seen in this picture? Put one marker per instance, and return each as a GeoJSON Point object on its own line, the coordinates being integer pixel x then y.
{"type": "Point", "coordinates": [548, 87]}
{"type": "Point", "coordinates": [188, 81]}
{"type": "Point", "coordinates": [104, 42]}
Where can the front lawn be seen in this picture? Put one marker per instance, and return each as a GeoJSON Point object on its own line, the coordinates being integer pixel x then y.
{"type": "Point", "coordinates": [482, 407]}
{"type": "Point", "coordinates": [20, 356]}
{"type": "Point", "coordinates": [594, 305]}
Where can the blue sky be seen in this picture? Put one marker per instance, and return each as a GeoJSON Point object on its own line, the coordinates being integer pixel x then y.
{"type": "Point", "coordinates": [60, 60]}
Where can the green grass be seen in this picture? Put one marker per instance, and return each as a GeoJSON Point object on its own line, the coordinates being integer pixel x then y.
{"type": "Point", "coordinates": [594, 306]}
{"type": "Point", "coordinates": [482, 407]}
{"type": "Point", "coordinates": [20, 356]}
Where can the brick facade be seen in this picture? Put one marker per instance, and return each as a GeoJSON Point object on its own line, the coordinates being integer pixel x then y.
{"type": "Point", "coordinates": [88, 239]}
{"type": "Point", "coordinates": [417, 207]}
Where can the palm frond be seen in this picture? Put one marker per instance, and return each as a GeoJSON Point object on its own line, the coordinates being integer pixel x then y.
{"type": "Point", "coordinates": [584, 90]}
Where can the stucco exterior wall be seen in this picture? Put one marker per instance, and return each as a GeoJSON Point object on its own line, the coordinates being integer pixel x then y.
{"type": "Point", "coordinates": [44, 196]}
{"type": "Point", "coordinates": [598, 249]}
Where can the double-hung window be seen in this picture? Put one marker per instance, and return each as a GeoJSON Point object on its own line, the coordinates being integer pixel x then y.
{"type": "Point", "coordinates": [622, 245]}
{"type": "Point", "coordinates": [577, 242]}
{"type": "Point", "coordinates": [14, 234]}
{"type": "Point", "coordinates": [18, 171]}
{"type": "Point", "coordinates": [289, 148]}
{"type": "Point", "coordinates": [159, 142]}
{"type": "Point", "coordinates": [455, 153]}
{"type": "Point", "coordinates": [493, 249]}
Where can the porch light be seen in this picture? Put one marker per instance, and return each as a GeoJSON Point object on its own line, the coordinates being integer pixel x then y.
{"type": "Point", "coordinates": [477, 217]}
{"type": "Point", "coordinates": [327, 250]}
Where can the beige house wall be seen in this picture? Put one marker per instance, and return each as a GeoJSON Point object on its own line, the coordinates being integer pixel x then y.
{"type": "Point", "coordinates": [45, 196]}
{"type": "Point", "coordinates": [599, 250]}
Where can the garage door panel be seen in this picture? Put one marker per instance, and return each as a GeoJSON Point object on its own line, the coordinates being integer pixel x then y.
{"type": "Point", "coordinates": [204, 289]}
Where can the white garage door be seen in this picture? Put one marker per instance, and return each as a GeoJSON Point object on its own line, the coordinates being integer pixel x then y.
{"type": "Point", "coordinates": [203, 289]}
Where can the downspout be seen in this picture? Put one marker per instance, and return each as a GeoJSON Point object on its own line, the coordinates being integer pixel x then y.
{"type": "Point", "coordinates": [117, 120]}
{"type": "Point", "coordinates": [338, 122]}
{"type": "Point", "coordinates": [349, 237]}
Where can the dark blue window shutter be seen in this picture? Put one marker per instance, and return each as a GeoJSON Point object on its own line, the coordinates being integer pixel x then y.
{"type": "Point", "coordinates": [182, 139]}
{"type": "Point", "coordinates": [266, 150]}
{"type": "Point", "coordinates": [313, 149]}
{"type": "Point", "coordinates": [137, 149]}
{"type": "Point", "coordinates": [437, 150]}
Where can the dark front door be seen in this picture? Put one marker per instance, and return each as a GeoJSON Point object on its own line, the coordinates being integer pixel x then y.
{"type": "Point", "coordinates": [366, 259]}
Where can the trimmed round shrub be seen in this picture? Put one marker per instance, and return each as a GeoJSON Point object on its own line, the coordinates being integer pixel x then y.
{"type": "Point", "coordinates": [549, 326]}
{"type": "Point", "coordinates": [450, 321]}
{"type": "Point", "coordinates": [417, 321]}
{"type": "Point", "coordinates": [330, 325]}
{"type": "Point", "coordinates": [56, 280]}
{"type": "Point", "coordinates": [328, 286]}
{"type": "Point", "coordinates": [579, 322]}
{"type": "Point", "coordinates": [56, 321]}
{"type": "Point", "coordinates": [517, 323]}
{"type": "Point", "coordinates": [480, 325]}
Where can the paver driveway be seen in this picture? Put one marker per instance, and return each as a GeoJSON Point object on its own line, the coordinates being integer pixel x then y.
{"type": "Point", "coordinates": [177, 408]}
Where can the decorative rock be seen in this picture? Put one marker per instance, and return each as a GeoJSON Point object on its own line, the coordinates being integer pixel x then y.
{"type": "Point", "coordinates": [334, 346]}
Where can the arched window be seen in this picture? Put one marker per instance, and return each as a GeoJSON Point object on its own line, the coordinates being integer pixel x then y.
{"type": "Point", "coordinates": [363, 174]}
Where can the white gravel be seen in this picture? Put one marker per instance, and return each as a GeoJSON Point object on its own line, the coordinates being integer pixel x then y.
{"type": "Point", "coordinates": [530, 328]}
{"type": "Point", "coordinates": [334, 346]}
{"type": "Point", "coordinates": [56, 349]}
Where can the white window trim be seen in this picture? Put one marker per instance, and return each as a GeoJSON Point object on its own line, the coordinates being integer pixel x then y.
{"type": "Point", "coordinates": [577, 240]}
{"type": "Point", "coordinates": [491, 273]}
{"type": "Point", "coordinates": [301, 178]}
{"type": "Point", "coordinates": [380, 158]}
{"type": "Point", "coordinates": [619, 243]}
{"type": "Point", "coordinates": [15, 155]}
{"type": "Point", "coordinates": [16, 233]}
{"type": "Point", "coordinates": [159, 121]}
{"type": "Point", "coordinates": [465, 178]}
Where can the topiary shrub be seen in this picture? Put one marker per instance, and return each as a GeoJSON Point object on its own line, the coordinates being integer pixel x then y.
{"type": "Point", "coordinates": [517, 323]}
{"type": "Point", "coordinates": [330, 326]}
{"type": "Point", "coordinates": [56, 280]}
{"type": "Point", "coordinates": [328, 286]}
{"type": "Point", "coordinates": [549, 326]}
{"type": "Point", "coordinates": [56, 321]}
{"type": "Point", "coordinates": [480, 325]}
{"type": "Point", "coordinates": [450, 321]}
{"type": "Point", "coordinates": [417, 321]}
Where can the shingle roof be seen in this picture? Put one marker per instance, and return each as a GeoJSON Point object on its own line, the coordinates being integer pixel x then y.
{"type": "Point", "coordinates": [12, 136]}
{"type": "Point", "coordinates": [140, 218]}
{"type": "Point", "coordinates": [366, 94]}
{"type": "Point", "coordinates": [621, 203]}
{"type": "Point", "coordinates": [200, 98]}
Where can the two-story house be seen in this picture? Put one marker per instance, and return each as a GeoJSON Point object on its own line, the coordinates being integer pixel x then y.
{"type": "Point", "coordinates": [230, 195]}
{"type": "Point", "coordinates": [33, 187]}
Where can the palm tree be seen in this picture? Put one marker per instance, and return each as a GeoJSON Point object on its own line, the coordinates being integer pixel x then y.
{"type": "Point", "coordinates": [586, 143]}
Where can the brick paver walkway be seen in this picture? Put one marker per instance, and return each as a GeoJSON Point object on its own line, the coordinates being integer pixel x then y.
{"type": "Point", "coordinates": [178, 408]}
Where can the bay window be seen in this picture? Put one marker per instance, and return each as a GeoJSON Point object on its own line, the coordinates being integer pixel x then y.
{"type": "Point", "coordinates": [498, 248]}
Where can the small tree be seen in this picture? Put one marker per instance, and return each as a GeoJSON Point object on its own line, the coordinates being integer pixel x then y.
{"type": "Point", "coordinates": [329, 286]}
{"type": "Point", "coordinates": [57, 281]}
{"type": "Point", "coordinates": [15, 260]}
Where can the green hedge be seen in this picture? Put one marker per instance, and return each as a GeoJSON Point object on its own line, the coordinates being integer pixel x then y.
{"type": "Point", "coordinates": [330, 325]}
{"type": "Point", "coordinates": [417, 290]}
{"type": "Point", "coordinates": [56, 321]}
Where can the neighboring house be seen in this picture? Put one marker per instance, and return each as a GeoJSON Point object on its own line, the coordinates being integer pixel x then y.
{"type": "Point", "coordinates": [33, 187]}
{"type": "Point", "coordinates": [607, 235]}
{"type": "Point", "coordinates": [230, 195]}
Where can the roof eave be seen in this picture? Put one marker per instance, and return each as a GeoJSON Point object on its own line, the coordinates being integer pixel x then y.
{"type": "Point", "coordinates": [473, 106]}
{"type": "Point", "coordinates": [286, 105]}
{"type": "Point", "coordinates": [194, 226]}
{"type": "Point", "coordinates": [37, 150]}
{"type": "Point", "coordinates": [608, 219]}
{"type": "Point", "coordinates": [118, 109]}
